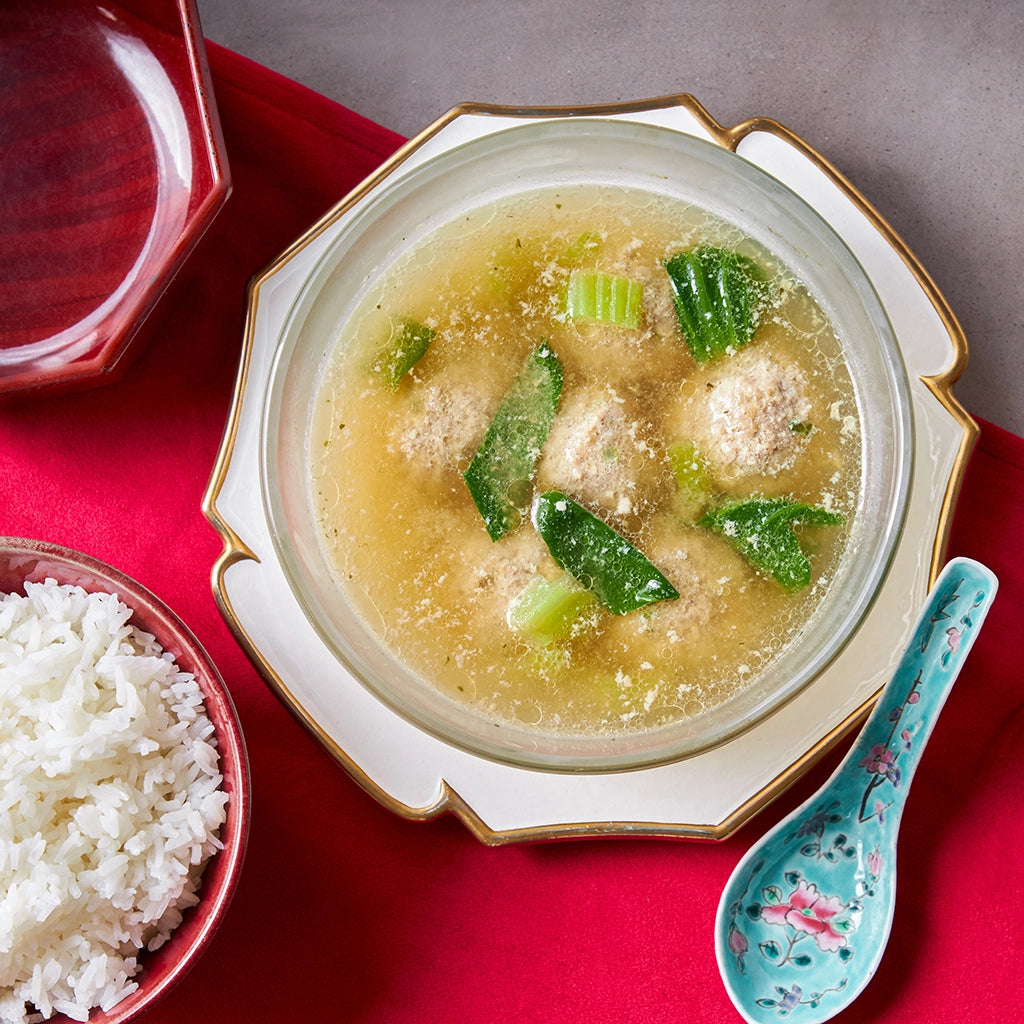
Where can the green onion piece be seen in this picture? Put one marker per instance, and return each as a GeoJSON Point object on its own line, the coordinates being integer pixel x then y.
{"type": "Point", "coordinates": [597, 556]}
{"type": "Point", "coordinates": [545, 611]}
{"type": "Point", "coordinates": [408, 343]}
{"type": "Point", "coordinates": [587, 245]}
{"type": "Point", "coordinates": [692, 479]}
{"type": "Point", "coordinates": [605, 298]}
{"type": "Point", "coordinates": [719, 299]}
{"type": "Point", "coordinates": [500, 475]}
{"type": "Point", "coordinates": [761, 529]}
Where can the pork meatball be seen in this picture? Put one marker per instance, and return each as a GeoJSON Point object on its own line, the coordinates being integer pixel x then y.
{"type": "Point", "coordinates": [444, 427]}
{"type": "Point", "coordinates": [754, 408]}
{"type": "Point", "coordinates": [499, 571]}
{"type": "Point", "coordinates": [598, 453]}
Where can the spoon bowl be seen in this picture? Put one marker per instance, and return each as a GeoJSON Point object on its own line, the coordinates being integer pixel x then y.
{"type": "Point", "coordinates": [804, 919]}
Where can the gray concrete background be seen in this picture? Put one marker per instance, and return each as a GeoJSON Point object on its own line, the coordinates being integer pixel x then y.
{"type": "Point", "coordinates": [920, 103]}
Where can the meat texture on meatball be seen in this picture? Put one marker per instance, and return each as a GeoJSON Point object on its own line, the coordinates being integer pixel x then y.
{"type": "Point", "coordinates": [755, 411]}
{"type": "Point", "coordinates": [599, 454]}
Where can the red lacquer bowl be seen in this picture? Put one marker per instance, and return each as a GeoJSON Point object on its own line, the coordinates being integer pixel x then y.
{"type": "Point", "coordinates": [111, 167]}
{"type": "Point", "coordinates": [34, 561]}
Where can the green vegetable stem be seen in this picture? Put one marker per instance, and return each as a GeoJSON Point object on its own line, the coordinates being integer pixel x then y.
{"type": "Point", "coordinates": [586, 246]}
{"type": "Point", "coordinates": [693, 481]}
{"type": "Point", "coordinates": [407, 345]}
{"type": "Point", "coordinates": [500, 475]}
{"type": "Point", "coordinates": [604, 298]}
{"type": "Point", "coordinates": [597, 556]}
{"type": "Point", "coordinates": [546, 611]}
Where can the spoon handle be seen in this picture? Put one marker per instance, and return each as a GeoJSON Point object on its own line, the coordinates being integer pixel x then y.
{"type": "Point", "coordinates": [888, 750]}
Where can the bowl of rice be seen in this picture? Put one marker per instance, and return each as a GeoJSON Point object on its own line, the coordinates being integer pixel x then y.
{"type": "Point", "coordinates": [124, 791]}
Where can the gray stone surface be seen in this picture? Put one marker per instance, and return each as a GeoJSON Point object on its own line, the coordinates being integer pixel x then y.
{"type": "Point", "coordinates": [919, 103]}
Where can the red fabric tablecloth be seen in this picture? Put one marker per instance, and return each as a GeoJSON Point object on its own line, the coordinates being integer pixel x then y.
{"type": "Point", "coordinates": [347, 913]}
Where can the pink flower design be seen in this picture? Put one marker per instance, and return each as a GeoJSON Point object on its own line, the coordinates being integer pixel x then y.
{"type": "Point", "coordinates": [874, 860]}
{"type": "Point", "coordinates": [737, 942]}
{"type": "Point", "coordinates": [810, 912]}
{"type": "Point", "coordinates": [879, 760]}
{"type": "Point", "coordinates": [953, 636]}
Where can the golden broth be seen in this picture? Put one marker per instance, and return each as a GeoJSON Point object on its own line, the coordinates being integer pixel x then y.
{"type": "Point", "coordinates": [409, 547]}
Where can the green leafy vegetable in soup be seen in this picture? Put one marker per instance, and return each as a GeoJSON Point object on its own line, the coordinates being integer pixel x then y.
{"type": "Point", "coordinates": [718, 299]}
{"type": "Point", "coordinates": [763, 530]}
{"type": "Point", "coordinates": [501, 470]}
{"type": "Point", "coordinates": [548, 611]}
{"type": "Point", "coordinates": [405, 347]}
{"type": "Point", "coordinates": [685, 435]}
{"type": "Point", "coordinates": [690, 469]}
{"type": "Point", "coordinates": [601, 559]}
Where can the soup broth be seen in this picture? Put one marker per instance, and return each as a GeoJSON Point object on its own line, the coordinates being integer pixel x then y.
{"type": "Point", "coordinates": [408, 546]}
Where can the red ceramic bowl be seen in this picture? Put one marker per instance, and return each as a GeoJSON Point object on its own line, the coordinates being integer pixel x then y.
{"type": "Point", "coordinates": [34, 561]}
{"type": "Point", "coordinates": [113, 166]}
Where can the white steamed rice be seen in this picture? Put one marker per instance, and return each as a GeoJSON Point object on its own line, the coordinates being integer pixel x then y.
{"type": "Point", "coordinates": [111, 800]}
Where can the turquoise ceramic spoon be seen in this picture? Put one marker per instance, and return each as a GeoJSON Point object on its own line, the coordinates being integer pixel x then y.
{"type": "Point", "coordinates": [805, 917]}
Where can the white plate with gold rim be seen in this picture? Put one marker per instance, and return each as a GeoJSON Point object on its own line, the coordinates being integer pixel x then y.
{"type": "Point", "coordinates": [709, 794]}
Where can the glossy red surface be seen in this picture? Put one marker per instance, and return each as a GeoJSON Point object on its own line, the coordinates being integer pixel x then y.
{"type": "Point", "coordinates": [111, 167]}
{"type": "Point", "coordinates": [34, 561]}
